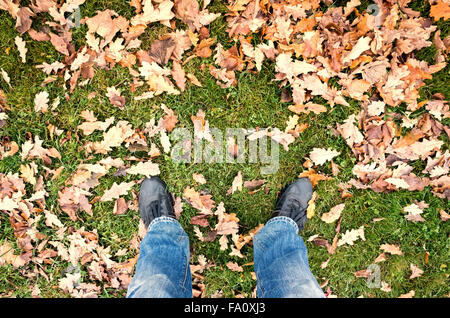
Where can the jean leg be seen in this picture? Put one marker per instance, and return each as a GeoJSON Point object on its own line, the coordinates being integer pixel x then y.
{"type": "Point", "coordinates": [281, 262]}
{"type": "Point", "coordinates": [162, 269]}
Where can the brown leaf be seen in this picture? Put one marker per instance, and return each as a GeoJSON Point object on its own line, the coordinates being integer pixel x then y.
{"type": "Point", "coordinates": [114, 97]}
{"type": "Point", "coordinates": [170, 119]}
{"type": "Point", "coordinates": [178, 75]}
{"type": "Point", "coordinates": [23, 22]}
{"type": "Point", "coordinates": [204, 203]}
{"type": "Point", "coordinates": [391, 249]}
{"type": "Point", "coordinates": [439, 10]}
{"type": "Point", "coordinates": [415, 271]}
{"type": "Point", "coordinates": [410, 294]}
{"type": "Point", "coordinates": [253, 184]}
{"type": "Point", "coordinates": [161, 50]}
{"type": "Point", "coordinates": [59, 43]}
{"type": "Point", "coordinates": [234, 267]}
{"type": "Point", "coordinates": [200, 220]}
{"type": "Point", "coordinates": [116, 191]}
{"type": "Point", "coordinates": [334, 213]}
{"type": "Point", "coordinates": [120, 207]}
{"type": "Point", "coordinates": [199, 178]}
{"type": "Point", "coordinates": [237, 184]}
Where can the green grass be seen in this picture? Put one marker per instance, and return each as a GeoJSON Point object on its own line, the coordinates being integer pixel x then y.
{"type": "Point", "coordinates": [254, 102]}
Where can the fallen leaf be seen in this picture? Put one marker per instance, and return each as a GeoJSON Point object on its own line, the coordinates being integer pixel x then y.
{"type": "Point", "coordinates": [21, 47]}
{"type": "Point", "coordinates": [116, 191]}
{"type": "Point", "coordinates": [199, 178]}
{"type": "Point", "coordinates": [350, 236]}
{"type": "Point", "coordinates": [236, 185]}
{"type": "Point", "coordinates": [334, 214]}
{"type": "Point", "coordinates": [415, 271]}
{"type": "Point", "coordinates": [391, 249]}
{"type": "Point", "coordinates": [234, 267]}
{"type": "Point", "coordinates": [41, 102]}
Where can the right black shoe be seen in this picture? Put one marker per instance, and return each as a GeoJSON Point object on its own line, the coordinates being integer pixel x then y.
{"type": "Point", "coordinates": [155, 200]}
{"type": "Point", "coordinates": [293, 202]}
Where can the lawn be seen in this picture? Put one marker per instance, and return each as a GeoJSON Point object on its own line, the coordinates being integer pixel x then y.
{"type": "Point", "coordinates": [255, 101]}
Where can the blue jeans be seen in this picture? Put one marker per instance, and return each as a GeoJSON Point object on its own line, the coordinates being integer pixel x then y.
{"type": "Point", "coordinates": [280, 257]}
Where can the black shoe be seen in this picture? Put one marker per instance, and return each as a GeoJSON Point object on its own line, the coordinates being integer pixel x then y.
{"type": "Point", "coordinates": [293, 201]}
{"type": "Point", "coordinates": [155, 200]}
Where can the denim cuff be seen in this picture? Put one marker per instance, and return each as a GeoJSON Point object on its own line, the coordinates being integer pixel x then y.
{"type": "Point", "coordinates": [164, 219]}
{"type": "Point", "coordinates": [283, 219]}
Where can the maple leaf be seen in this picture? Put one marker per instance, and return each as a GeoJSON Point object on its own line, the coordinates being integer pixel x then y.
{"type": "Point", "coordinates": [313, 176]}
{"type": "Point", "coordinates": [27, 173]}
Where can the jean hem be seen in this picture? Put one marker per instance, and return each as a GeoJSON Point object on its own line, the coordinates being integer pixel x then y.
{"type": "Point", "coordinates": [163, 219]}
{"type": "Point", "coordinates": [284, 219]}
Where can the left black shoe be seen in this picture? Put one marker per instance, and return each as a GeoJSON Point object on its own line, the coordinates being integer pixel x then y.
{"type": "Point", "coordinates": [293, 202]}
{"type": "Point", "coordinates": [155, 200]}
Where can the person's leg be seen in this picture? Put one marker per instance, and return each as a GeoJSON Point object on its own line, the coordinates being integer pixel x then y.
{"type": "Point", "coordinates": [281, 262]}
{"type": "Point", "coordinates": [280, 256]}
{"type": "Point", "coordinates": [162, 269]}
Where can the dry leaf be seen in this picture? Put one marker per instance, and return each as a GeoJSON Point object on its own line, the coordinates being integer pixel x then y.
{"type": "Point", "coordinates": [146, 168]}
{"type": "Point", "coordinates": [334, 214]}
{"type": "Point", "coordinates": [237, 184]}
{"type": "Point", "coordinates": [199, 178]}
{"type": "Point", "coordinates": [391, 249]}
{"type": "Point", "coordinates": [415, 271]}
{"type": "Point", "coordinates": [350, 236]}
{"type": "Point", "coordinates": [116, 191]}
{"type": "Point", "coordinates": [41, 102]}
{"type": "Point", "coordinates": [21, 47]}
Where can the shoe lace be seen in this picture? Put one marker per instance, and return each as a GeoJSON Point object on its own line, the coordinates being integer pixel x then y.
{"type": "Point", "coordinates": [155, 208]}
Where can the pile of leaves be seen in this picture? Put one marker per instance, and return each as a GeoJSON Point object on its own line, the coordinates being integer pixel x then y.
{"type": "Point", "coordinates": [323, 55]}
